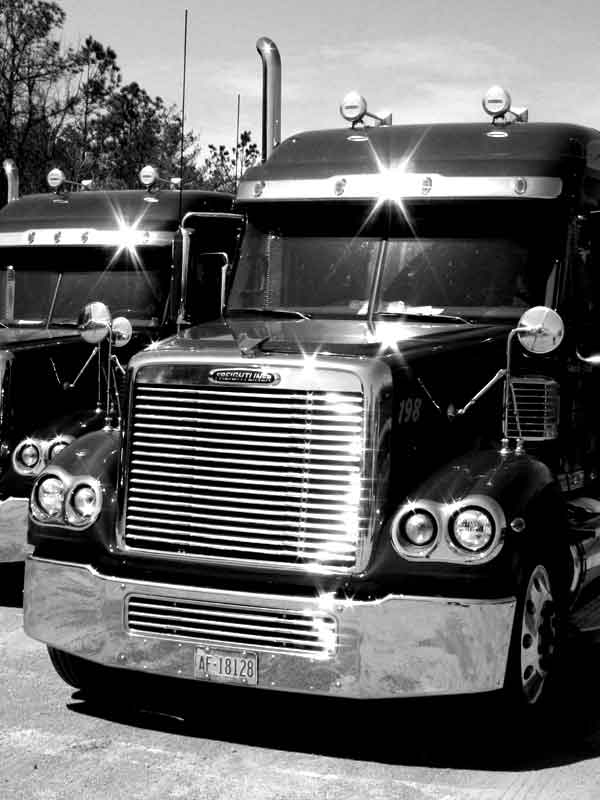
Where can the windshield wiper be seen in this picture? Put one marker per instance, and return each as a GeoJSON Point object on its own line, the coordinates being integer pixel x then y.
{"type": "Point", "coordinates": [423, 317]}
{"type": "Point", "coordinates": [267, 311]}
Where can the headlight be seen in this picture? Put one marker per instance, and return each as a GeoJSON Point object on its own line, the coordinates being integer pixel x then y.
{"type": "Point", "coordinates": [419, 528]}
{"type": "Point", "coordinates": [415, 530]}
{"type": "Point", "coordinates": [27, 457]}
{"type": "Point", "coordinates": [56, 446]}
{"type": "Point", "coordinates": [84, 503]}
{"type": "Point", "coordinates": [472, 529]}
{"type": "Point", "coordinates": [49, 496]}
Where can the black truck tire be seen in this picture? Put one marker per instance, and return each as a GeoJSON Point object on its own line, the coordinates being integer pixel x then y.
{"type": "Point", "coordinates": [535, 646]}
{"type": "Point", "coordinates": [77, 672]}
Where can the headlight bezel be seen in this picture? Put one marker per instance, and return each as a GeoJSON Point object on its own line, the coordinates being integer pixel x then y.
{"type": "Point", "coordinates": [46, 449]}
{"type": "Point", "coordinates": [67, 517]}
{"type": "Point", "coordinates": [445, 548]}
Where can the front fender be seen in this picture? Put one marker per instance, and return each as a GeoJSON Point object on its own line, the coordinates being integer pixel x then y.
{"type": "Point", "coordinates": [524, 488]}
{"type": "Point", "coordinates": [94, 455]}
{"type": "Point", "coordinates": [75, 425]}
{"type": "Point", "coordinates": [513, 480]}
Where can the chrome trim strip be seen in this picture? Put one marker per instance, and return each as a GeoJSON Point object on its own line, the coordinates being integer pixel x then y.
{"type": "Point", "coordinates": [401, 185]}
{"type": "Point", "coordinates": [397, 646]}
{"type": "Point", "coordinates": [84, 237]}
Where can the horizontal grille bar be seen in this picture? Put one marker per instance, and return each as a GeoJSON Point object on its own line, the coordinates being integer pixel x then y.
{"type": "Point", "coordinates": [259, 628]}
{"type": "Point", "coordinates": [263, 475]}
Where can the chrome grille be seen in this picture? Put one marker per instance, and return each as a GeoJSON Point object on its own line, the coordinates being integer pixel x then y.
{"type": "Point", "coordinates": [290, 631]}
{"type": "Point", "coordinates": [255, 474]}
{"type": "Point", "coordinates": [537, 401]}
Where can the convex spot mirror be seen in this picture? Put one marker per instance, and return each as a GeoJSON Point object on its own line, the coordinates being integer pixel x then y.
{"type": "Point", "coordinates": [94, 322]}
{"type": "Point", "coordinates": [540, 330]}
{"type": "Point", "coordinates": [121, 331]}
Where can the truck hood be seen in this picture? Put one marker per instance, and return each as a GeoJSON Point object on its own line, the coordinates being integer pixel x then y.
{"type": "Point", "coordinates": [331, 337]}
{"type": "Point", "coordinates": [20, 338]}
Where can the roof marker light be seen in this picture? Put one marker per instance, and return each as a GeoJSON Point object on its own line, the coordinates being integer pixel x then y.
{"type": "Point", "coordinates": [520, 185]}
{"type": "Point", "coordinates": [496, 102]}
{"type": "Point", "coordinates": [340, 187]}
{"type": "Point", "coordinates": [55, 178]}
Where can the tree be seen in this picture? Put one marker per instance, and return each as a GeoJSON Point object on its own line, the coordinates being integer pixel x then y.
{"type": "Point", "coordinates": [43, 88]}
{"type": "Point", "coordinates": [222, 167]}
{"type": "Point", "coordinates": [136, 129]}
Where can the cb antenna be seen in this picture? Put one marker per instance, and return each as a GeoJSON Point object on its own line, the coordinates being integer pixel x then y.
{"type": "Point", "coordinates": [185, 26]}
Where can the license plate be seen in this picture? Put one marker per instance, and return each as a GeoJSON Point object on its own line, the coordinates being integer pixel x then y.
{"type": "Point", "coordinates": [230, 666]}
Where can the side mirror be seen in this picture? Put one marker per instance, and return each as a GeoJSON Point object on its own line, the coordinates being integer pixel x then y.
{"type": "Point", "coordinates": [540, 330]}
{"type": "Point", "coordinates": [122, 331]}
{"type": "Point", "coordinates": [94, 322]}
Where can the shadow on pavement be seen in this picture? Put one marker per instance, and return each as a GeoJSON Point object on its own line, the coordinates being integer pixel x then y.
{"type": "Point", "coordinates": [11, 584]}
{"type": "Point", "coordinates": [471, 732]}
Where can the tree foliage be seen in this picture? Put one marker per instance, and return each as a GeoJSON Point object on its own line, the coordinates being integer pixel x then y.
{"type": "Point", "coordinates": [67, 107]}
{"type": "Point", "coordinates": [222, 167]}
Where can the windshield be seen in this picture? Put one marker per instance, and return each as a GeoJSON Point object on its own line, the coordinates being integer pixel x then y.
{"type": "Point", "coordinates": [484, 259]}
{"type": "Point", "coordinates": [51, 285]}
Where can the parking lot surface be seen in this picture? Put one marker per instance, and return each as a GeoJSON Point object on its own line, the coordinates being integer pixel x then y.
{"type": "Point", "coordinates": [199, 742]}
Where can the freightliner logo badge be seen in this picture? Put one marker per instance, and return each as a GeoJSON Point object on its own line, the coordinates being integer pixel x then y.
{"type": "Point", "coordinates": [243, 376]}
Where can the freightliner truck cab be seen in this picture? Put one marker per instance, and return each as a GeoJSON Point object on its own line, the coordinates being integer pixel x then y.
{"type": "Point", "coordinates": [60, 250]}
{"type": "Point", "coordinates": [377, 476]}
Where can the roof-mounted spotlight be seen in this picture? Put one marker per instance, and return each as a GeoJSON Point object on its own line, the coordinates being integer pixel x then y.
{"type": "Point", "coordinates": [148, 176]}
{"type": "Point", "coordinates": [353, 108]}
{"type": "Point", "coordinates": [55, 179]}
{"type": "Point", "coordinates": [497, 103]}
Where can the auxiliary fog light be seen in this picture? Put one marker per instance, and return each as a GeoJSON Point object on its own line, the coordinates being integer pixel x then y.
{"type": "Point", "coordinates": [49, 496]}
{"type": "Point", "coordinates": [472, 529]}
{"type": "Point", "coordinates": [26, 457]}
{"type": "Point", "coordinates": [84, 503]}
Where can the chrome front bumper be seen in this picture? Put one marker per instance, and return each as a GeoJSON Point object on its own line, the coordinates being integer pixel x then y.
{"type": "Point", "coordinates": [398, 646]}
{"type": "Point", "coordinates": [13, 528]}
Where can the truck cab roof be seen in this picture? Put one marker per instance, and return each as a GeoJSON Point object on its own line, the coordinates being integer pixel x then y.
{"type": "Point", "coordinates": [107, 210]}
{"type": "Point", "coordinates": [449, 150]}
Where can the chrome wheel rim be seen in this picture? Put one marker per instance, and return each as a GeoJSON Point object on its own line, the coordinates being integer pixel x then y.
{"type": "Point", "coordinates": [538, 634]}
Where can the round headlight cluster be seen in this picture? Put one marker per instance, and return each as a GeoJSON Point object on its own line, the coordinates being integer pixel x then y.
{"type": "Point", "coordinates": [464, 531]}
{"type": "Point", "coordinates": [472, 529]}
{"type": "Point", "coordinates": [59, 499]}
{"type": "Point", "coordinates": [30, 456]}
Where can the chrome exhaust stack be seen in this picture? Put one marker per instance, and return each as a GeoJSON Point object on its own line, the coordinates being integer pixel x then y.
{"type": "Point", "coordinates": [271, 95]}
{"type": "Point", "coordinates": [12, 179]}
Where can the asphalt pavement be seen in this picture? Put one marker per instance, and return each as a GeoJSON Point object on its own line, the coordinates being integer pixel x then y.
{"type": "Point", "coordinates": [161, 740]}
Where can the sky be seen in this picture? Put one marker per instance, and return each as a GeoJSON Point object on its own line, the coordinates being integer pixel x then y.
{"type": "Point", "coordinates": [423, 60]}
